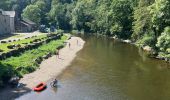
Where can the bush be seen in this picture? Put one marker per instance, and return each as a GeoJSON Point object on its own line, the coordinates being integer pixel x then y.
{"type": "Point", "coordinates": [60, 31]}
{"type": "Point", "coordinates": [147, 39]}
{"type": "Point", "coordinates": [74, 31]}
{"type": "Point", "coordinates": [43, 29]}
{"type": "Point", "coordinates": [163, 42]}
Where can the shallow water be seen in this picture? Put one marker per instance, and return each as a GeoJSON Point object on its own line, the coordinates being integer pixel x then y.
{"type": "Point", "coordinates": [106, 69]}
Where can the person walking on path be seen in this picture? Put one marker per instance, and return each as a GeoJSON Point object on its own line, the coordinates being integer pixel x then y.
{"type": "Point", "coordinates": [57, 53]}
{"type": "Point", "coordinates": [77, 42]}
{"type": "Point", "coordinates": [69, 44]}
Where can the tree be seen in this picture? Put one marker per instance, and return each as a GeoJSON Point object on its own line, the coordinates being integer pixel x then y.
{"type": "Point", "coordinates": [32, 12]}
{"type": "Point", "coordinates": [142, 19]}
{"type": "Point", "coordinates": [160, 15]}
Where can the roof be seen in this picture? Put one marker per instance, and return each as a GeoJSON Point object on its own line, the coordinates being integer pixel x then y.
{"type": "Point", "coordinates": [9, 13]}
{"type": "Point", "coordinates": [29, 21]}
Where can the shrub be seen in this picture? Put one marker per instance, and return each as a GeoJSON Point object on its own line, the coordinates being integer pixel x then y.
{"type": "Point", "coordinates": [74, 31]}
{"type": "Point", "coordinates": [164, 40]}
{"type": "Point", "coordinates": [43, 29]}
{"type": "Point", "coordinates": [60, 31]}
{"type": "Point", "coordinates": [147, 39]}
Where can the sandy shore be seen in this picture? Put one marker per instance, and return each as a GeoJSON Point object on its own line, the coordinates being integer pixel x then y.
{"type": "Point", "coordinates": [54, 66]}
{"type": "Point", "coordinates": [48, 69]}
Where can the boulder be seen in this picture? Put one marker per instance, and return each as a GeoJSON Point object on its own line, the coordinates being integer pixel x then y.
{"type": "Point", "coordinates": [127, 41]}
{"type": "Point", "coordinates": [9, 40]}
{"type": "Point", "coordinates": [1, 50]}
{"type": "Point", "coordinates": [147, 48]}
{"type": "Point", "coordinates": [3, 41]}
{"type": "Point", "coordinates": [14, 81]}
{"type": "Point", "coordinates": [11, 46]}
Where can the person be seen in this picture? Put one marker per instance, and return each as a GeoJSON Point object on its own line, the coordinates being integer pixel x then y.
{"type": "Point", "coordinates": [57, 53]}
{"type": "Point", "coordinates": [54, 83]}
{"type": "Point", "coordinates": [77, 42]}
{"type": "Point", "coordinates": [69, 44]}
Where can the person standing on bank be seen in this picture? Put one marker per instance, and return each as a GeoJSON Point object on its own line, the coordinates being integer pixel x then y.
{"type": "Point", "coordinates": [69, 44]}
{"type": "Point", "coordinates": [77, 42]}
{"type": "Point", "coordinates": [57, 53]}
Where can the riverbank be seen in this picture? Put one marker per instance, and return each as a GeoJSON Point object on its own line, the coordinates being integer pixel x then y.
{"type": "Point", "coordinates": [48, 69]}
{"type": "Point", "coordinates": [150, 51]}
{"type": "Point", "coordinates": [54, 66]}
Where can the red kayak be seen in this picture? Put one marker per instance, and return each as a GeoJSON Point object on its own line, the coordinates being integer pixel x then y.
{"type": "Point", "coordinates": [40, 87]}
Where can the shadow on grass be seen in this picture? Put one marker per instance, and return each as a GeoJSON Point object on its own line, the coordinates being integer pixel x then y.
{"type": "Point", "coordinates": [8, 93]}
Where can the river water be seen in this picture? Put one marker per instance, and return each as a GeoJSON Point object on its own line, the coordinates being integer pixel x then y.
{"type": "Point", "coordinates": [106, 69]}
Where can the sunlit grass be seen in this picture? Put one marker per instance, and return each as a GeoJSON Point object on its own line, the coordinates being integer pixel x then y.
{"type": "Point", "coordinates": [26, 61]}
{"type": "Point", "coordinates": [4, 45]}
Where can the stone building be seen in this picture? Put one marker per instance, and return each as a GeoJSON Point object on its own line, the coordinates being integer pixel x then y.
{"type": "Point", "coordinates": [7, 22]}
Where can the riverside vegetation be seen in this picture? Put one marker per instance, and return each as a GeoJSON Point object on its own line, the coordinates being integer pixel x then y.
{"type": "Point", "coordinates": [29, 60]}
{"type": "Point", "coordinates": [145, 22]}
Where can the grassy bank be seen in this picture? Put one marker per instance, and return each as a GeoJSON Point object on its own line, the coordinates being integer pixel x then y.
{"type": "Point", "coordinates": [26, 62]}
{"type": "Point", "coordinates": [23, 42]}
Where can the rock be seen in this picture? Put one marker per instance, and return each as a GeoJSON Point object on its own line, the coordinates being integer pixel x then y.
{"type": "Point", "coordinates": [127, 41]}
{"type": "Point", "coordinates": [1, 50]}
{"type": "Point", "coordinates": [160, 58]}
{"type": "Point", "coordinates": [9, 40]}
{"type": "Point", "coordinates": [14, 81]}
{"type": "Point", "coordinates": [45, 57]}
{"type": "Point", "coordinates": [147, 48]}
{"type": "Point", "coordinates": [24, 43]}
{"type": "Point", "coordinates": [115, 37]}
{"type": "Point", "coordinates": [18, 46]}
{"type": "Point", "coordinates": [11, 46]}
{"type": "Point", "coordinates": [39, 60]}
{"type": "Point", "coordinates": [3, 41]}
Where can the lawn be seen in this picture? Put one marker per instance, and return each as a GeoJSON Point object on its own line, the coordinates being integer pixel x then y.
{"type": "Point", "coordinates": [26, 63]}
{"type": "Point", "coordinates": [4, 45]}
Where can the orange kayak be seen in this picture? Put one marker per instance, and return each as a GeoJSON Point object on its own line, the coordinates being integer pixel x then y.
{"type": "Point", "coordinates": [41, 86]}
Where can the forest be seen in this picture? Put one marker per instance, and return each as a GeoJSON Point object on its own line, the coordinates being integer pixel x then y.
{"type": "Point", "coordinates": [145, 22]}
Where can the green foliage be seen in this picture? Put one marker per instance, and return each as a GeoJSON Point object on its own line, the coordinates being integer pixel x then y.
{"type": "Point", "coordinates": [74, 31]}
{"type": "Point", "coordinates": [21, 42]}
{"type": "Point", "coordinates": [147, 39]}
{"type": "Point", "coordinates": [164, 41]}
{"type": "Point", "coordinates": [60, 31]}
{"type": "Point", "coordinates": [160, 15]}
{"type": "Point", "coordinates": [140, 20]}
{"type": "Point", "coordinates": [32, 12]}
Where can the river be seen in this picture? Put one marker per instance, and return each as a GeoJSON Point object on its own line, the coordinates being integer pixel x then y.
{"type": "Point", "coordinates": [106, 69]}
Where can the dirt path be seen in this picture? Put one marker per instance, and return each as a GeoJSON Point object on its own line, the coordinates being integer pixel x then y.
{"type": "Point", "coordinates": [54, 66]}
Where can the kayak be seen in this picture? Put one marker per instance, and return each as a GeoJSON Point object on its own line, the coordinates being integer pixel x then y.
{"type": "Point", "coordinates": [41, 86]}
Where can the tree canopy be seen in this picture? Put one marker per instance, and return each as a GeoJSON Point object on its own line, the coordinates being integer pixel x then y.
{"type": "Point", "coordinates": [144, 21]}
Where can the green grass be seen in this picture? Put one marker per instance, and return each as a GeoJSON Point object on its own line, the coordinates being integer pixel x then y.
{"type": "Point", "coordinates": [26, 62]}
{"type": "Point", "coordinates": [27, 59]}
{"type": "Point", "coordinates": [4, 45]}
